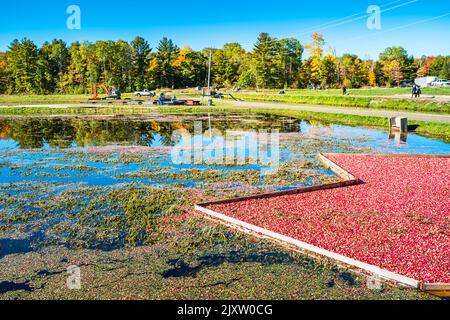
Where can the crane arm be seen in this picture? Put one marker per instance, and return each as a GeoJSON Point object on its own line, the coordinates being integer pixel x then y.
{"type": "Point", "coordinates": [95, 91]}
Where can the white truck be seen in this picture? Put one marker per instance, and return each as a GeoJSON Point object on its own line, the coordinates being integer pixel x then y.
{"type": "Point", "coordinates": [424, 82]}
{"type": "Point", "coordinates": [440, 83]}
{"type": "Point", "coordinates": [145, 93]}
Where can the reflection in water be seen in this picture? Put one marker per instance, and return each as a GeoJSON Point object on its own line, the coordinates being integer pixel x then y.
{"type": "Point", "coordinates": [156, 130]}
{"type": "Point", "coordinates": [37, 133]}
{"type": "Point", "coordinates": [398, 137]}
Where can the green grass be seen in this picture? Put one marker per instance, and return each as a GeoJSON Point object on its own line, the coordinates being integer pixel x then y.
{"type": "Point", "coordinates": [411, 105]}
{"type": "Point", "coordinates": [361, 98]}
{"type": "Point", "coordinates": [9, 100]}
{"type": "Point", "coordinates": [41, 99]}
{"type": "Point", "coordinates": [353, 101]}
{"type": "Point", "coordinates": [372, 92]}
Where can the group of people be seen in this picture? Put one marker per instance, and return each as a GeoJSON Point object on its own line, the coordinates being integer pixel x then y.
{"type": "Point", "coordinates": [416, 91]}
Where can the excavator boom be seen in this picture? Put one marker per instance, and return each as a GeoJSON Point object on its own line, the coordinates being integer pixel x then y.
{"type": "Point", "coordinates": [112, 94]}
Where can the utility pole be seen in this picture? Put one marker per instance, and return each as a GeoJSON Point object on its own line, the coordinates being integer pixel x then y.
{"type": "Point", "coordinates": [338, 78]}
{"type": "Point", "coordinates": [209, 70]}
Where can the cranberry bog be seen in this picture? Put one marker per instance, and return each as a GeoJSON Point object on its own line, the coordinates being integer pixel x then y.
{"type": "Point", "coordinates": [388, 217]}
{"type": "Point", "coordinates": [103, 192]}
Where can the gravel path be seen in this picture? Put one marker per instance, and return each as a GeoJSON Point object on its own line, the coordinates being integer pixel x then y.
{"type": "Point", "coordinates": [430, 117]}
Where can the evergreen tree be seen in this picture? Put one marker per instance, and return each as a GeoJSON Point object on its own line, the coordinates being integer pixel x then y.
{"type": "Point", "coordinates": [267, 62]}
{"type": "Point", "coordinates": [140, 53]}
{"type": "Point", "coordinates": [291, 52]}
{"type": "Point", "coordinates": [22, 60]}
{"type": "Point", "coordinates": [444, 74]}
{"type": "Point", "coordinates": [162, 63]}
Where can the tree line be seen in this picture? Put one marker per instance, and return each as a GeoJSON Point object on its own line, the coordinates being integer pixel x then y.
{"type": "Point", "coordinates": [56, 67]}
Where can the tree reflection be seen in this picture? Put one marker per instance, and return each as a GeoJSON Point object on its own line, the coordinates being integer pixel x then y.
{"type": "Point", "coordinates": [33, 133]}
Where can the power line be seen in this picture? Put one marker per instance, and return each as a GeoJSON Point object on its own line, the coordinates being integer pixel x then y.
{"type": "Point", "coordinates": [399, 27]}
{"type": "Point", "coordinates": [348, 19]}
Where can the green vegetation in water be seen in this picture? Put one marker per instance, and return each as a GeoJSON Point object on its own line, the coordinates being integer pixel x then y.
{"type": "Point", "coordinates": [192, 259]}
{"type": "Point", "coordinates": [93, 217]}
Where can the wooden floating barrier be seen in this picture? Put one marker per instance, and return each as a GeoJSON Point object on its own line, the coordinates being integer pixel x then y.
{"type": "Point", "coordinates": [439, 289]}
{"type": "Point", "coordinates": [347, 180]}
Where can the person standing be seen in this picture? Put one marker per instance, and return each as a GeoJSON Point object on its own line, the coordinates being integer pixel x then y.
{"type": "Point", "coordinates": [414, 92]}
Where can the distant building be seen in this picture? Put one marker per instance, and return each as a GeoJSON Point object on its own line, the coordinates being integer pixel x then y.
{"type": "Point", "coordinates": [425, 81]}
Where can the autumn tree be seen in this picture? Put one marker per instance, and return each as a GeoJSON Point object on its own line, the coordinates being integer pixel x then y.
{"type": "Point", "coordinates": [404, 63]}
{"type": "Point", "coordinates": [316, 46]}
{"type": "Point", "coordinates": [273, 63]}
{"type": "Point", "coordinates": [393, 70]}
{"type": "Point", "coordinates": [328, 71]}
{"type": "Point", "coordinates": [305, 75]}
{"type": "Point", "coordinates": [190, 68]}
{"type": "Point", "coordinates": [435, 66]}
{"type": "Point", "coordinates": [311, 70]}
{"type": "Point", "coordinates": [4, 76]}
{"type": "Point", "coordinates": [423, 66]}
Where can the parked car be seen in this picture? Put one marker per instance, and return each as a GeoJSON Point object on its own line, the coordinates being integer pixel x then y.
{"type": "Point", "coordinates": [145, 93]}
{"type": "Point", "coordinates": [406, 84]}
{"type": "Point", "coordinates": [440, 83]}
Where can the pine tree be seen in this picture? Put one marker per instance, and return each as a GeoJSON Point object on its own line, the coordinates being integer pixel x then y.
{"type": "Point", "coordinates": [140, 58]}
{"type": "Point", "coordinates": [23, 65]}
{"type": "Point", "coordinates": [267, 62]}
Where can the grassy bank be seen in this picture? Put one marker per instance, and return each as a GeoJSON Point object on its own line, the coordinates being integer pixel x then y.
{"type": "Point", "coordinates": [373, 92]}
{"type": "Point", "coordinates": [53, 99]}
{"type": "Point", "coordinates": [353, 101]}
{"type": "Point", "coordinates": [357, 98]}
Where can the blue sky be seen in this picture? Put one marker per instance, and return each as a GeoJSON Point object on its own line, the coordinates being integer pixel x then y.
{"type": "Point", "coordinates": [421, 26]}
